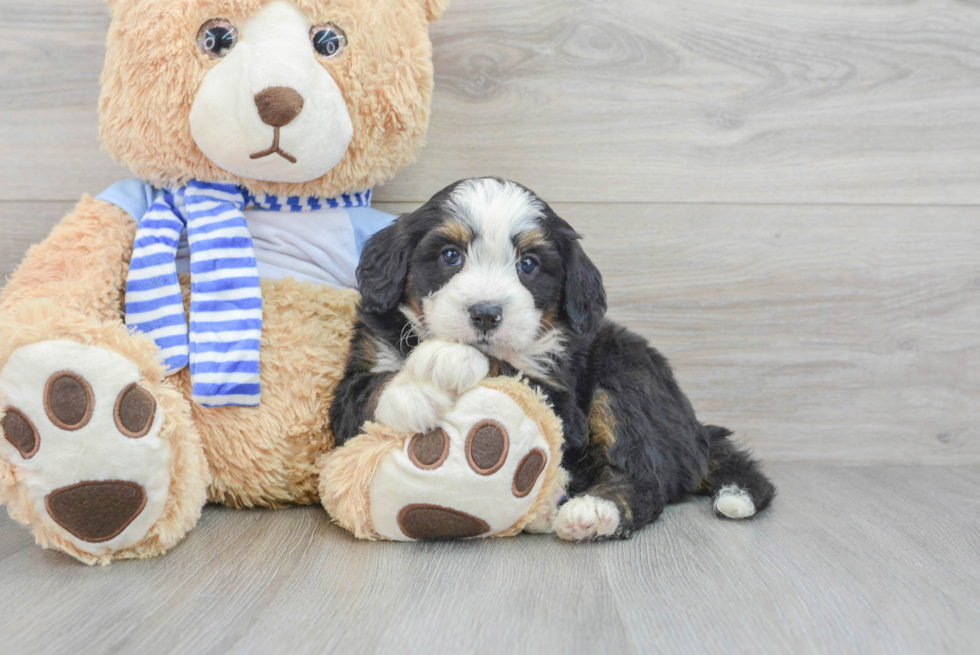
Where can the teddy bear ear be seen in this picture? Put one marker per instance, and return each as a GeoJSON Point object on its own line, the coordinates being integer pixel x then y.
{"type": "Point", "coordinates": [433, 8]}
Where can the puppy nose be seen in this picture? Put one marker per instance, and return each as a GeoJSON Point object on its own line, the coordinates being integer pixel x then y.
{"type": "Point", "coordinates": [278, 105]}
{"type": "Point", "coordinates": [485, 316]}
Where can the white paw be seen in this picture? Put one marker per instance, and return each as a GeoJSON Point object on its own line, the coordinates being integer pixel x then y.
{"type": "Point", "coordinates": [83, 437]}
{"type": "Point", "coordinates": [453, 367]}
{"type": "Point", "coordinates": [734, 502]}
{"type": "Point", "coordinates": [471, 476]}
{"type": "Point", "coordinates": [586, 518]}
{"type": "Point", "coordinates": [409, 407]}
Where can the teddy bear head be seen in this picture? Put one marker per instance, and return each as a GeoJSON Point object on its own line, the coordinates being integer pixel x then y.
{"type": "Point", "coordinates": [291, 97]}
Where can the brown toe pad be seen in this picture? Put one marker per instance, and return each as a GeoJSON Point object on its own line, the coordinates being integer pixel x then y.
{"type": "Point", "coordinates": [435, 522]}
{"type": "Point", "coordinates": [96, 511]}
{"type": "Point", "coordinates": [486, 447]}
{"type": "Point", "coordinates": [134, 411]}
{"type": "Point", "coordinates": [428, 451]}
{"type": "Point", "coordinates": [68, 400]}
{"type": "Point", "coordinates": [20, 431]}
{"type": "Point", "coordinates": [528, 471]}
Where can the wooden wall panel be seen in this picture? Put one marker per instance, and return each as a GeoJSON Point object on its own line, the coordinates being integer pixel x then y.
{"type": "Point", "coordinates": [794, 101]}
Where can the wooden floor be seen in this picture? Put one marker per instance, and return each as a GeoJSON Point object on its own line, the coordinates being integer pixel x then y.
{"type": "Point", "coordinates": [848, 560]}
{"type": "Point", "coordinates": [783, 195]}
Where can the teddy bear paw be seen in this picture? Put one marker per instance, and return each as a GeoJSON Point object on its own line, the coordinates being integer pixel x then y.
{"type": "Point", "coordinates": [544, 522]}
{"type": "Point", "coordinates": [82, 439]}
{"type": "Point", "coordinates": [470, 476]}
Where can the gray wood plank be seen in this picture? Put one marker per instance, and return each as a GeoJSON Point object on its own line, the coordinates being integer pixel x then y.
{"type": "Point", "coordinates": [832, 569]}
{"type": "Point", "coordinates": [23, 224]}
{"type": "Point", "coordinates": [848, 560]}
{"type": "Point", "coordinates": [49, 91]}
{"type": "Point", "coordinates": [837, 333]}
{"type": "Point", "coordinates": [706, 100]}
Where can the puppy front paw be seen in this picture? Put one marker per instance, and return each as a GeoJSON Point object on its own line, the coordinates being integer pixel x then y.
{"type": "Point", "coordinates": [452, 367]}
{"type": "Point", "coordinates": [410, 408]}
{"type": "Point", "coordinates": [586, 518]}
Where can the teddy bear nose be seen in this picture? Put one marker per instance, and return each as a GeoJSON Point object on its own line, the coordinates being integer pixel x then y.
{"type": "Point", "coordinates": [278, 105]}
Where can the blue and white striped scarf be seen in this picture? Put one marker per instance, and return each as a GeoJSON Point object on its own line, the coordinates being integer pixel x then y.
{"type": "Point", "coordinates": [222, 344]}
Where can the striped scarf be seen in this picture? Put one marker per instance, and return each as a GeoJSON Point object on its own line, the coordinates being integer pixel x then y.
{"type": "Point", "coordinates": [222, 344]}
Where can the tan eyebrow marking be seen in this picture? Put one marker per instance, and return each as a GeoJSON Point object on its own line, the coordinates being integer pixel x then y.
{"type": "Point", "coordinates": [457, 233]}
{"type": "Point", "coordinates": [530, 239]}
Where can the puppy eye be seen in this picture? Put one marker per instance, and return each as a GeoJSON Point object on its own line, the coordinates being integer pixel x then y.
{"type": "Point", "coordinates": [217, 37]}
{"type": "Point", "coordinates": [452, 257]}
{"type": "Point", "coordinates": [328, 40]}
{"type": "Point", "coordinates": [528, 265]}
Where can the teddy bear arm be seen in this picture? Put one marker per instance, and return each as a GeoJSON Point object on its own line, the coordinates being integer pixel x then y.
{"type": "Point", "coordinates": [98, 451]}
{"type": "Point", "coordinates": [81, 266]}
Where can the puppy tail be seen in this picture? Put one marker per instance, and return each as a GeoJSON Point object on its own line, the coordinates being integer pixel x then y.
{"type": "Point", "coordinates": [735, 481]}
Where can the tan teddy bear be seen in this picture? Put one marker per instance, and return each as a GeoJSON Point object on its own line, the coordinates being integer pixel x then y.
{"type": "Point", "coordinates": [178, 339]}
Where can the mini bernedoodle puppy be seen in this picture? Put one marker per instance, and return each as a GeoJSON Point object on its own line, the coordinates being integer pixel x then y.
{"type": "Point", "coordinates": [486, 278]}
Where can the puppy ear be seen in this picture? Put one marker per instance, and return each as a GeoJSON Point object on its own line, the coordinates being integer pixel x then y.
{"type": "Point", "coordinates": [434, 8]}
{"type": "Point", "coordinates": [383, 268]}
{"type": "Point", "coordinates": [585, 297]}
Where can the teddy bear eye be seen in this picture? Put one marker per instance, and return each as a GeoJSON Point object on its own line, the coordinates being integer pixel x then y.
{"type": "Point", "coordinates": [328, 40]}
{"type": "Point", "coordinates": [217, 37]}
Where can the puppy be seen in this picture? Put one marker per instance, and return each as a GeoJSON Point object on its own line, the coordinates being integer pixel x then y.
{"type": "Point", "coordinates": [485, 279]}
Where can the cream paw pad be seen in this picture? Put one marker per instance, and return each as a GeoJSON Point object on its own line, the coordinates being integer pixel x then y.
{"type": "Point", "coordinates": [470, 476]}
{"type": "Point", "coordinates": [83, 437]}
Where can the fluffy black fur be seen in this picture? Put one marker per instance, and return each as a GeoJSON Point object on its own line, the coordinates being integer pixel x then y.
{"type": "Point", "coordinates": [631, 435]}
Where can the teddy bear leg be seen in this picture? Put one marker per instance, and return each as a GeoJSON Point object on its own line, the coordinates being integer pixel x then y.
{"type": "Point", "coordinates": [98, 454]}
{"type": "Point", "coordinates": [490, 468]}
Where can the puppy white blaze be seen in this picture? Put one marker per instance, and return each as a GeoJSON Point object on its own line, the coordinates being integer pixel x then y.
{"type": "Point", "coordinates": [496, 212]}
{"type": "Point", "coordinates": [273, 50]}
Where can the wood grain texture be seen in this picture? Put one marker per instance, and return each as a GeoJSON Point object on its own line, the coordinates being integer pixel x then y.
{"type": "Point", "coordinates": [23, 224]}
{"type": "Point", "coordinates": [805, 101]}
{"type": "Point", "coordinates": [797, 101]}
{"type": "Point", "coordinates": [49, 91]}
{"type": "Point", "coordinates": [836, 333]}
{"type": "Point", "coordinates": [890, 575]}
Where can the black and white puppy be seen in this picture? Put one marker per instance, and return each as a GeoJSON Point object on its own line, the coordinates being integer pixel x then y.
{"type": "Point", "coordinates": [485, 277]}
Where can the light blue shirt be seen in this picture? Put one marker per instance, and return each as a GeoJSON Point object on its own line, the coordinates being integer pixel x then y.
{"type": "Point", "coordinates": [322, 246]}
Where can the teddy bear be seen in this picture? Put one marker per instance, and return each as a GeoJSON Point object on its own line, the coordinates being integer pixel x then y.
{"type": "Point", "coordinates": [177, 339]}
